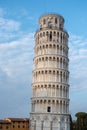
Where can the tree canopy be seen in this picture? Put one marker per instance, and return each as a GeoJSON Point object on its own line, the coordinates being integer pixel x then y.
{"type": "Point", "coordinates": [81, 114]}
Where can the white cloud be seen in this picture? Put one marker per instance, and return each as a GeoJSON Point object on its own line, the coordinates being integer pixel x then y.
{"type": "Point", "coordinates": [78, 62]}
{"type": "Point", "coordinates": [16, 59]}
{"type": "Point", "coordinates": [9, 25]}
{"type": "Point", "coordinates": [9, 28]}
{"type": "Point", "coordinates": [18, 52]}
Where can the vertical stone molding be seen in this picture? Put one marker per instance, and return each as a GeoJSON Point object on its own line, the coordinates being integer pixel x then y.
{"type": "Point", "coordinates": [35, 125]}
{"type": "Point", "coordinates": [51, 125]}
{"type": "Point", "coordinates": [41, 125]}
{"type": "Point", "coordinates": [50, 84]}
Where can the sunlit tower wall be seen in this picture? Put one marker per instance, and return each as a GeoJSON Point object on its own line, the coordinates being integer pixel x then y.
{"type": "Point", "coordinates": [50, 85]}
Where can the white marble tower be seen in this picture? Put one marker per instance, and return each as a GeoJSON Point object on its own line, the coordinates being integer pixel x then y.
{"type": "Point", "coordinates": [50, 87]}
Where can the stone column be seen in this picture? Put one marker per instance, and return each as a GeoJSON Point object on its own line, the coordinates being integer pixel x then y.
{"type": "Point", "coordinates": [55, 91]}
{"type": "Point", "coordinates": [59, 91]}
{"type": "Point", "coordinates": [62, 92]}
{"type": "Point", "coordinates": [59, 125]}
{"type": "Point", "coordinates": [65, 125]}
{"type": "Point", "coordinates": [62, 108]}
{"type": "Point", "coordinates": [59, 107]}
{"type": "Point", "coordinates": [35, 125]}
{"type": "Point", "coordinates": [51, 125]}
{"type": "Point", "coordinates": [67, 108]}
{"type": "Point", "coordinates": [59, 77]}
{"type": "Point", "coordinates": [51, 106]}
{"type": "Point", "coordinates": [67, 90]}
{"type": "Point", "coordinates": [51, 90]}
{"type": "Point", "coordinates": [41, 125]}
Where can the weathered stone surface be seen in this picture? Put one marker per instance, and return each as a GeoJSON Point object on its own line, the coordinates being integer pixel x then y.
{"type": "Point", "coordinates": [50, 99]}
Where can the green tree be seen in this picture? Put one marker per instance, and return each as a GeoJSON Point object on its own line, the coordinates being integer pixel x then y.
{"type": "Point", "coordinates": [74, 124]}
{"type": "Point", "coordinates": [81, 122]}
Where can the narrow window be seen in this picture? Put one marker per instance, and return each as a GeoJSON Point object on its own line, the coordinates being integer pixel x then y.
{"type": "Point", "coordinates": [18, 126]}
{"type": "Point", "coordinates": [6, 127]}
{"type": "Point", "coordinates": [48, 109]}
{"type": "Point", "coordinates": [56, 20]}
{"type": "Point", "coordinates": [44, 21]}
{"type": "Point", "coordinates": [0, 127]}
{"type": "Point", "coordinates": [50, 36]}
{"type": "Point", "coordinates": [54, 33]}
{"type": "Point", "coordinates": [49, 24]}
{"type": "Point", "coordinates": [23, 126]}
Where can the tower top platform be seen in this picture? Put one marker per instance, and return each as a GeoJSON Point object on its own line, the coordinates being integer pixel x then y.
{"type": "Point", "coordinates": [51, 15]}
{"type": "Point", "coordinates": [51, 20]}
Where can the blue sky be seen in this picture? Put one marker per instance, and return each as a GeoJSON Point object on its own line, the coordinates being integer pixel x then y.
{"type": "Point", "coordinates": [18, 23]}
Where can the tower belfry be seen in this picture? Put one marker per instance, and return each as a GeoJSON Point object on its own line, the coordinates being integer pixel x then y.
{"type": "Point", "coordinates": [50, 86]}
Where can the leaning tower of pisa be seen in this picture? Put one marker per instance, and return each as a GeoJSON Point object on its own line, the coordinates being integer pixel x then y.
{"type": "Point", "coordinates": [50, 85]}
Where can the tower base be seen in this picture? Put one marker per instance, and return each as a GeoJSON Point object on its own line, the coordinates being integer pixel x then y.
{"type": "Point", "coordinates": [49, 121]}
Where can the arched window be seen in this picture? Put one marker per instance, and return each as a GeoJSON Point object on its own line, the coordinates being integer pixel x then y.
{"type": "Point", "coordinates": [53, 72]}
{"type": "Point", "coordinates": [48, 109]}
{"type": "Point", "coordinates": [44, 21]}
{"type": "Point", "coordinates": [54, 33]}
{"type": "Point", "coordinates": [49, 101]}
{"type": "Point", "coordinates": [49, 24]}
{"type": "Point", "coordinates": [46, 46]}
{"type": "Point", "coordinates": [40, 34]}
{"type": "Point", "coordinates": [58, 34]}
{"type": "Point", "coordinates": [53, 58]}
{"type": "Point", "coordinates": [46, 58]}
{"type": "Point", "coordinates": [46, 33]}
{"type": "Point", "coordinates": [50, 36]}
{"type": "Point", "coordinates": [43, 33]}
{"type": "Point", "coordinates": [50, 46]}
{"type": "Point", "coordinates": [56, 20]}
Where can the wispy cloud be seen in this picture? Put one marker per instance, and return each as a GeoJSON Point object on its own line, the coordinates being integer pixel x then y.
{"type": "Point", "coordinates": [19, 52]}
{"type": "Point", "coordinates": [78, 62]}
{"type": "Point", "coordinates": [9, 25]}
{"type": "Point", "coordinates": [15, 73]}
{"type": "Point", "coordinates": [9, 29]}
{"type": "Point", "coordinates": [16, 54]}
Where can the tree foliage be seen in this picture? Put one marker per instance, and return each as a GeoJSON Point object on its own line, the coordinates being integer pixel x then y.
{"type": "Point", "coordinates": [80, 114]}
{"type": "Point", "coordinates": [81, 122]}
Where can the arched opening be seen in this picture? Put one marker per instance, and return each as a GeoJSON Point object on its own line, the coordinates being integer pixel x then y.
{"type": "Point", "coordinates": [44, 21]}
{"type": "Point", "coordinates": [55, 20]}
{"type": "Point", "coordinates": [48, 109]}
{"type": "Point", "coordinates": [50, 36]}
